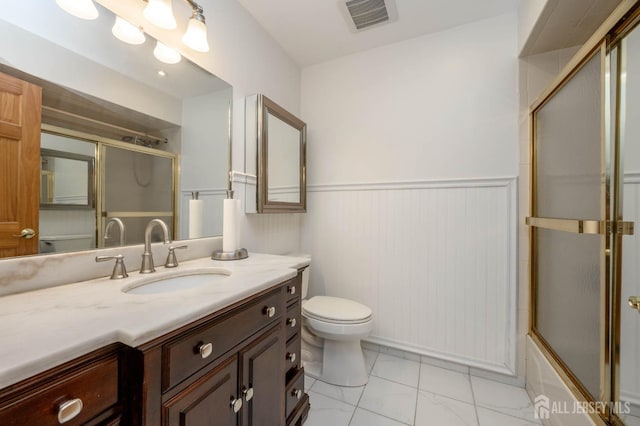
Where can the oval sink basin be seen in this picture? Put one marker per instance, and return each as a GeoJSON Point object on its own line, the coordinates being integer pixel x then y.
{"type": "Point", "coordinates": [186, 280]}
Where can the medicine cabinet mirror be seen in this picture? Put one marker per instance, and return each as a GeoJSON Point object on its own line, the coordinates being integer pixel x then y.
{"type": "Point", "coordinates": [276, 155]}
{"type": "Point", "coordinates": [66, 180]}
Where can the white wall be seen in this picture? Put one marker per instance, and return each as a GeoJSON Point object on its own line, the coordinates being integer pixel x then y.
{"type": "Point", "coordinates": [427, 108]}
{"type": "Point", "coordinates": [412, 164]}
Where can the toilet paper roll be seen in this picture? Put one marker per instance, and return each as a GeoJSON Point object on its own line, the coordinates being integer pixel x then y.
{"type": "Point", "coordinates": [229, 225]}
{"type": "Point", "coordinates": [195, 218]}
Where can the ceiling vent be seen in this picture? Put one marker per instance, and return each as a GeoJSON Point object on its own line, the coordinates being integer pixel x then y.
{"type": "Point", "coordinates": [363, 14]}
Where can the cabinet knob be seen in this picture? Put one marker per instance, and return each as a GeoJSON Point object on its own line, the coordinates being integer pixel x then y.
{"type": "Point", "coordinates": [269, 311]}
{"type": "Point", "coordinates": [291, 322]}
{"type": "Point", "coordinates": [236, 404]}
{"type": "Point", "coordinates": [291, 290]}
{"type": "Point", "coordinates": [291, 356]}
{"type": "Point", "coordinates": [247, 394]}
{"type": "Point", "coordinates": [296, 393]}
{"type": "Point", "coordinates": [205, 350]}
{"type": "Point", "coordinates": [69, 409]}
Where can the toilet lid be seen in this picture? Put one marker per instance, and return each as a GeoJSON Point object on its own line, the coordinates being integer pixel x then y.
{"type": "Point", "coordinates": [334, 309]}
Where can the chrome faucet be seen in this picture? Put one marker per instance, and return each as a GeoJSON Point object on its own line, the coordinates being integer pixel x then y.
{"type": "Point", "coordinates": [147, 257]}
{"type": "Point", "coordinates": [120, 226]}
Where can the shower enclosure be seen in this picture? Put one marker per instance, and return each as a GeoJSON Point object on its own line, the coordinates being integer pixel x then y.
{"type": "Point", "coordinates": [138, 185]}
{"type": "Point", "coordinates": [585, 198]}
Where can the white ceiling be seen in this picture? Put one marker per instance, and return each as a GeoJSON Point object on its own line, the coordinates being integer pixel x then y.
{"type": "Point", "coordinates": [314, 31]}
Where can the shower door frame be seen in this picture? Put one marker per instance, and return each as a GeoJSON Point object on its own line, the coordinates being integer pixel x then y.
{"type": "Point", "coordinates": [599, 227]}
{"type": "Point", "coordinates": [624, 19]}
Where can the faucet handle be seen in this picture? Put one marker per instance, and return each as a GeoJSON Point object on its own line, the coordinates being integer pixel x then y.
{"type": "Point", "coordinates": [172, 260]}
{"type": "Point", "coordinates": [119, 270]}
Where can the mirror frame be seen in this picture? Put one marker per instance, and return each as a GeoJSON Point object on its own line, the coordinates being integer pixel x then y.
{"type": "Point", "coordinates": [90, 205]}
{"type": "Point", "coordinates": [267, 106]}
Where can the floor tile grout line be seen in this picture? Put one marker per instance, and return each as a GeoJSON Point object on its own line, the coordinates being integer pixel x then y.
{"type": "Point", "coordinates": [415, 409]}
{"type": "Point", "coordinates": [394, 381]}
{"type": "Point", "coordinates": [473, 396]}
{"type": "Point", "coordinates": [386, 417]}
{"type": "Point", "coordinates": [507, 414]}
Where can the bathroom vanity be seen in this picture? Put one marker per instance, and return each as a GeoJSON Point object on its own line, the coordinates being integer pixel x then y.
{"type": "Point", "coordinates": [235, 358]}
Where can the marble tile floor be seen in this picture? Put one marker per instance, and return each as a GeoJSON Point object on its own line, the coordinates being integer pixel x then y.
{"type": "Point", "coordinates": [406, 392]}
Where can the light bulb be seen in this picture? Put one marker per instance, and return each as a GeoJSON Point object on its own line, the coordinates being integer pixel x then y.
{"type": "Point", "coordinates": [125, 31]}
{"type": "Point", "coordinates": [196, 35]}
{"type": "Point", "coordinates": [165, 54]}
{"type": "Point", "coordinates": [83, 9]}
{"type": "Point", "coordinates": [160, 14]}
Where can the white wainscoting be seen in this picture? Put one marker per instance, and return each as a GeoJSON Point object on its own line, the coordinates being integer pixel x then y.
{"type": "Point", "coordinates": [435, 260]}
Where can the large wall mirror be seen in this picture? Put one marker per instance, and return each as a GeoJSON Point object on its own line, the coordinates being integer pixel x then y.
{"type": "Point", "coordinates": [276, 154]}
{"type": "Point", "coordinates": [168, 125]}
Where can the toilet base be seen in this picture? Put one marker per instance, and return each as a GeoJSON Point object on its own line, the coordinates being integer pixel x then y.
{"type": "Point", "coordinates": [343, 363]}
{"type": "Point", "coordinates": [339, 363]}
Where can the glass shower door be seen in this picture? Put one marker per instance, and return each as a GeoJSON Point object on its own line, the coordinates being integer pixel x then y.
{"type": "Point", "coordinates": [626, 311]}
{"type": "Point", "coordinates": [138, 186]}
{"type": "Point", "coordinates": [569, 232]}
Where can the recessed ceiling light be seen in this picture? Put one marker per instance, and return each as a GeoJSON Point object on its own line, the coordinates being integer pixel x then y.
{"type": "Point", "coordinates": [161, 73]}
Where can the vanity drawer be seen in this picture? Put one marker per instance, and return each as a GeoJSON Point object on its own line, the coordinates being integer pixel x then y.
{"type": "Point", "coordinates": [292, 357]}
{"type": "Point", "coordinates": [78, 396]}
{"type": "Point", "coordinates": [295, 391]}
{"type": "Point", "coordinates": [293, 320]}
{"type": "Point", "coordinates": [187, 354]}
{"type": "Point", "coordinates": [292, 288]}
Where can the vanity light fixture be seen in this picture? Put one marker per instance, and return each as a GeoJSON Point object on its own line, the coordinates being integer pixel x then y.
{"type": "Point", "coordinates": [165, 54]}
{"type": "Point", "coordinates": [160, 14]}
{"type": "Point", "coordinates": [196, 35]}
{"type": "Point", "coordinates": [127, 32]}
{"type": "Point", "coordinates": [83, 9]}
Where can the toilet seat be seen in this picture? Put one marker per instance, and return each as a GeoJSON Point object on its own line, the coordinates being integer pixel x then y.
{"type": "Point", "coordinates": [336, 310]}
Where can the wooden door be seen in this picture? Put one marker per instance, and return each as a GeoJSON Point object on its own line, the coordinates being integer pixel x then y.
{"type": "Point", "coordinates": [207, 402]}
{"type": "Point", "coordinates": [20, 112]}
{"type": "Point", "coordinates": [262, 371]}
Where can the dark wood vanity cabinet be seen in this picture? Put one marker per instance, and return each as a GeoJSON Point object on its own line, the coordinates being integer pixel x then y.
{"type": "Point", "coordinates": [238, 367]}
{"type": "Point", "coordinates": [90, 390]}
{"type": "Point", "coordinates": [231, 368]}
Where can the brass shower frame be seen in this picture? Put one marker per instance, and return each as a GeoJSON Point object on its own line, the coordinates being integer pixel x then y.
{"type": "Point", "coordinates": [624, 18]}
{"type": "Point", "coordinates": [99, 184]}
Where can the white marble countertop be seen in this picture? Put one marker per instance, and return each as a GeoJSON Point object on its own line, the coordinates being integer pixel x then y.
{"type": "Point", "coordinates": [44, 328]}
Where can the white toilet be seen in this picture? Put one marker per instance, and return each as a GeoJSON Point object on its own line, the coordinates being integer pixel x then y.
{"type": "Point", "coordinates": [331, 331]}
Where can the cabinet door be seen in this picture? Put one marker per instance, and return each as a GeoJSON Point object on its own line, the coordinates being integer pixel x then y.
{"type": "Point", "coordinates": [262, 374]}
{"type": "Point", "coordinates": [208, 401]}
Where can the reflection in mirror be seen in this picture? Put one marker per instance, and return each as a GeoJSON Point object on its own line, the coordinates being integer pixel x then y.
{"type": "Point", "coordinates": [66, 180]}
{"type": "Point", "coordinates": [67, 228]}
{"type": "Point", "coordinates": [138, 186]}
{"type": "Point", "coordinates": [94, 84]}
{"type": "Point", "coordinates": [275, 152]}
{"type": "Point", "coordinates": [283, 161]}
